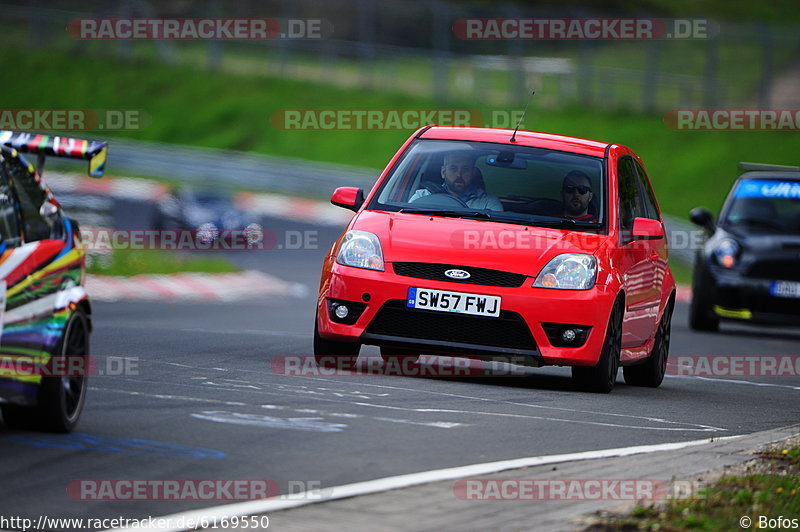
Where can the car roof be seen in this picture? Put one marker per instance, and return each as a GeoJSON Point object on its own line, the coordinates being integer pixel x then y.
{"type": "Point", "coordinates": [772, 175]}
{"type": "Point", "coordinates": [523, 138]}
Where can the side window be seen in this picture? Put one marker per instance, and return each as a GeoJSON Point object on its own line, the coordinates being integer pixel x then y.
{"type": "Point", "coordinates": [9, 223]}
{"type": "Point", "coordinates": [630, 202]}
{"type": "Point", "coordinates": [30, 196]}
{"type": "Point", "coordinates": [649, 197]}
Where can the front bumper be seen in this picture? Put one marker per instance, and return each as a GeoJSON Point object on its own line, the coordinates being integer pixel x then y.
{"type": "Point", "coordinates": [518, 335]}
{"type": "Point", "coordinates": [736, 297]}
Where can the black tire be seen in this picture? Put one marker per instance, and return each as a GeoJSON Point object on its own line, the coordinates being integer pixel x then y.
{"type": "Point", "coordinates": [61, 398]}
{"type": "Point", "coordinates": [651, 373]}
{"type": "Point", "coordinates": [701, 317]}
{"type": "Point", "coordinates": [602, 377]}
{"type": "Point", "coordinates": [333, 354]}
{"type": "Point", "coordinates": [394, 355]}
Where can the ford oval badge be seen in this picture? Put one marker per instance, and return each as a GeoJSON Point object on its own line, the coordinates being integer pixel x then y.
{"type": "Point", "coordinates": [457, 274]}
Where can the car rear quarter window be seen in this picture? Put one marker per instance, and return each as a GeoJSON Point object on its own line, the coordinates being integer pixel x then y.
{"type": "Point", "coordinates": [30, 196]}
{"type": "Point", "coordinates": [9, 221]}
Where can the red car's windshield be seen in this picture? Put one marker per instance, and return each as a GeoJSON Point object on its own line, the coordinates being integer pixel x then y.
{"type": "Point", "coordinates": [514, 184]}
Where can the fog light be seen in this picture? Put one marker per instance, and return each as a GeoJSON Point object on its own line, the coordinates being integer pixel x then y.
{"type": "Point", "coordinates": [569, 335]}
{"type": "Point", "coordinates": [341, 312]}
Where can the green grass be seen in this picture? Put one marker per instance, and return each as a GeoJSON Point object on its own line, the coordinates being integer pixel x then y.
{"type": "Point", "coordinates": [127, 262]}
{"type": "Point", "coordinates": [190, 106]}
{"type": "Point", "coordinates": [770, 493]}
{"type": "Point", "coordinates": [681, 271]}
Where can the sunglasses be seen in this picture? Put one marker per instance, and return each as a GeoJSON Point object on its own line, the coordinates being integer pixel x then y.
{"type": "Point", "coordinates": [582, 190]}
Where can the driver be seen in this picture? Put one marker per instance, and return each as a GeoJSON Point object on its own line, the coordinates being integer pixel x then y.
{"type": "Point", "coordinates": [576, 194]}
{"type": "Point", "coordinates": [460, 180]}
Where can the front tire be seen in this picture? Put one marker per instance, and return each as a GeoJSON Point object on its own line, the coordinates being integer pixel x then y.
{"type": "Point", "coordinates": [602, 377]}
{"type": "Point", "coordinates": [701, 317]}
{"type": "Point", "coordinates": [333, 354]}
{"type": "Point", "coordinates": [651, 373]}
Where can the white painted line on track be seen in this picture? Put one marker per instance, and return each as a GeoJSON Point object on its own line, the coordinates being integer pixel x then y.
{"type": "Point", "coordinates": [735, 381]}
{"type": "Point", "coordinates": [528, 405]}
{"type": "Point", "coordinates": [285, 502]}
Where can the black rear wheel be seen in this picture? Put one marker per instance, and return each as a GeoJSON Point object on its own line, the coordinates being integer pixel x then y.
{"type": "Point", "coordinates": [651, 373]}
{"type": "Point", "coordinates": [62, 393]}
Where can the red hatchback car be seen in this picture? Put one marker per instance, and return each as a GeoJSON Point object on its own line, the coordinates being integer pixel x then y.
{"type": "Point", "coordinates": [535, 249]}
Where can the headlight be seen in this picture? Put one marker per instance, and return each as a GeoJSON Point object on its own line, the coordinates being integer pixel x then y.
{"type": "Point", "coordinates": [361, 249]}
{"type": "Point", "coordinates": [727, 252]}
{"type": "Point", "coordinates": [570, 271]}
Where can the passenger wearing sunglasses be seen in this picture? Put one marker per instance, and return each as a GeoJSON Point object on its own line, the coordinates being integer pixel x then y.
{"type": "Point", "coordinates": [576, 193]}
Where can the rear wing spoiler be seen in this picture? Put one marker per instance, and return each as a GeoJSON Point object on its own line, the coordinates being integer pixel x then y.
{"type": "Point", "coordinates": [761, 167]}
{"type": "Point", "coordinates": [46, 145]}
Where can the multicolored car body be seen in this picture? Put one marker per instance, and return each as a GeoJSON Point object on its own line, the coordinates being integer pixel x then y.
{"type": "Point", "coordinates": [45, 311]}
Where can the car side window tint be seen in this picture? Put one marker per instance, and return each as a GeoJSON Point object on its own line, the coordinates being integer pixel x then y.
{"type": "Point", "coordinates": [648, 196]}
{"type": "Point", "coordinates": [30, 196]}
{"type": "Point", "coordinates": [9, 222]}
{"type": "Point", "coordinates": [630, 203]}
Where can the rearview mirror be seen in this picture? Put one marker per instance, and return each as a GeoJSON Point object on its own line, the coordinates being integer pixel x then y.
{"type": "Point", "coordinates": [348, 197]}
{"type": "Point", "coordinates": [647, 229]}
{"type": "Point", "coordinates": [703, 217]}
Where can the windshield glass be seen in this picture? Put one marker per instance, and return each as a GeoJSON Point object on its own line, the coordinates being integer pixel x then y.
{"type": "Point", "coordinates": [512, 184]}
{"type": "Point", "coordinates": [765, 206]}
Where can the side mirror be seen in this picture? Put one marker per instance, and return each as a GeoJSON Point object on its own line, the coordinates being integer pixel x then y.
{"type": "Point", "coordinates": [647, 229]}
{"type": "Point", "coordinates": [48, 211]}
{"type": "Point", "coordinates": [703, 217]}
{"type": "Point", "coordinates": [348, 197]}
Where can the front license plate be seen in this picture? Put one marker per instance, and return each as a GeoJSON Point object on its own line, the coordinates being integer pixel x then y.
{"type": "Point", "coordinates": [446, 301]}
{"type": "Point", "coordinates": [785, 289]}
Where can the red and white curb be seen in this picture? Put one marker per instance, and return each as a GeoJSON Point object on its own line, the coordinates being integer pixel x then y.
{"type": "Point", "coordinates": [206, 287]}
{"type": "Point", "coordinates": [683, 294]}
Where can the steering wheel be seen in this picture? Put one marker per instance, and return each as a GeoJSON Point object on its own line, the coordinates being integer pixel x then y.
{"type": "Point", "coordinates": [441, 199]}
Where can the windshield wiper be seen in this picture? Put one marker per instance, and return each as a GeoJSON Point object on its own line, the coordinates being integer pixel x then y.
{"type": "Point", "coordinates": [548, 221]}
{"type": "Point", "coordinates": [444, 212]}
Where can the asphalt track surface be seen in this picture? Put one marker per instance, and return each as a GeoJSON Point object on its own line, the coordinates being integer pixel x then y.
{"type": "Point", "coordinates": [203, 401]}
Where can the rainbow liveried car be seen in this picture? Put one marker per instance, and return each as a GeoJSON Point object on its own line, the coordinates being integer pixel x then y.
{"type": "Point", "coordinates": [526, 247]}
{"type": "Point", "coordinates": [46, 313]}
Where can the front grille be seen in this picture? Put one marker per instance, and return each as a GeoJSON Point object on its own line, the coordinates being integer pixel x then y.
{"type": "Point", "coordinates": [435, 272]}
{"type": "Point", "coordinates": [775, 270]}
{"type": "Point", "coordinates": [509, 330]}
